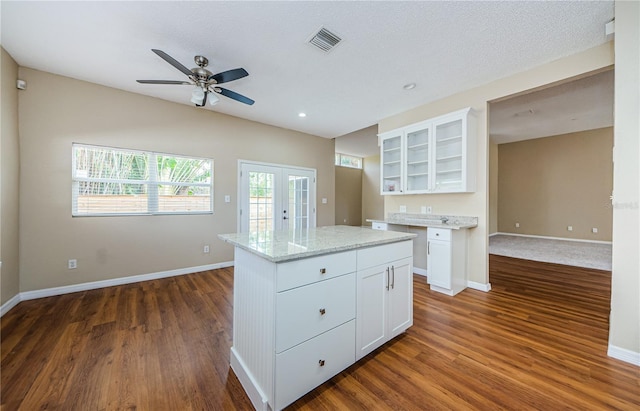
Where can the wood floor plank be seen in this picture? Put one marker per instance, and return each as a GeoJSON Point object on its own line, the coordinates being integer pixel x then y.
{"type": "Point", "coordinates": [537, 341]}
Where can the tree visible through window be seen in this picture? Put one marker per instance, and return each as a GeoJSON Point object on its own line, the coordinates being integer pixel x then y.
{"type": "Point", "coordinates": [345, 160]}
{"type": "Point", "coordinates": [111, 181]}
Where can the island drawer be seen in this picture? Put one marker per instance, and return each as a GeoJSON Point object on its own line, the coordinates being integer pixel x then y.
{"type": "Point", "coordinates": [309, 270]}
{"type": "Point", "coordinates": [383, 254]}
{"type": "Point", "coordinates": [304, 312]}
{"type": "Point", "coordinates": [305, 366]}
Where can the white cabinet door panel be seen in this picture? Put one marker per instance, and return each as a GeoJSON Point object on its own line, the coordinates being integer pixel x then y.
{"type": "Point", "coordinates": [400, 297]}
{"type": "Point", "coordinates": [371, 312]}
{"type": "Point", "coordinates": [439, 263]}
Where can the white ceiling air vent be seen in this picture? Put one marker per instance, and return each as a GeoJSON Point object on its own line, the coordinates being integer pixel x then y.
{"type": "Point", "coordinates": [324, 40]}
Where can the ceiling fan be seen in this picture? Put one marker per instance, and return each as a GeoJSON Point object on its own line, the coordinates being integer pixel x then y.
{"type": "Point", "coordinates": [206, 82]}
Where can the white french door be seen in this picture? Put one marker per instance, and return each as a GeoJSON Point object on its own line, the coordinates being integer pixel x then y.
{"type": "Point", "coordinates": [275, 197]}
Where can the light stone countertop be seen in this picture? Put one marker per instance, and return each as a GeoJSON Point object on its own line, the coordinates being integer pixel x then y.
{"type": "Point", "coordinates": [280, 246]}
{"type": "Point", "coordinates": [429, 220]}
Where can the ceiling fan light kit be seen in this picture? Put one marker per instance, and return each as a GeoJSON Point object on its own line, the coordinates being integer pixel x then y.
{"type": "Point", "coordinates": [205, 81]}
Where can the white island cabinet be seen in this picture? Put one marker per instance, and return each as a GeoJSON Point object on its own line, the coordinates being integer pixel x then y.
{"type": "Point", "coordinates": [305, 307]}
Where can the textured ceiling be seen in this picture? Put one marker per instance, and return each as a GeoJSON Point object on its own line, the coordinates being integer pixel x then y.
{"type": "Point", "coordinates": [579, 105]}
{"type": "Point", "coordinates": [444, 47]}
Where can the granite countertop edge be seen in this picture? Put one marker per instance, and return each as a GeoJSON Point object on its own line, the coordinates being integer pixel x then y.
{"type": "Point", "coordinates": [415, 222]}
{"type": "Point", "coordinates": [291, 256]}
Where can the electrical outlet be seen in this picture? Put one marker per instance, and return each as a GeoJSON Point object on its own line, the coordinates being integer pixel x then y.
{"type": "Point", "coordinates": [403, 208]}
{"type": "Point", "coordinates": [423, 209]}
{"type": "Point", "coordinates": [517, 225]}
{"type": "Point", "coordinates": [569, 228]}
{"type": "Point", "coordinates": [205, 249]}
{"type": "Point", "coordinates": [73, 264]}
{"type": "Point", "coordinates": [429, 209]}
{"type": "Point", "coordinates": [594, 230]}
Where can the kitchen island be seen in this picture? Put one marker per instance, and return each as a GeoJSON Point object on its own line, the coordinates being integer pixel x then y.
{"type": "Point", "coordinates": [309, 303]}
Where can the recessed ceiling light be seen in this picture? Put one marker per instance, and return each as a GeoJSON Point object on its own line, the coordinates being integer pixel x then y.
{"type": "Point", "coordinates": [409, 86]}
{"type": "Point", "coordinates": [302, 114]}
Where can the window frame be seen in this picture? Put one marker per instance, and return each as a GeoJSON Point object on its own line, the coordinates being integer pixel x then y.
{"type": "Point", "coordinates": [152, 183]}
{"type": "Point", "coordinates": [338, 160]}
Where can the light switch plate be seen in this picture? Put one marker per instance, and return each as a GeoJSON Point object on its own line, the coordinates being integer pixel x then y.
{"type": "Point", "coordinates": [324, 200]}
{"type": "Point", "coordinates": [227, 199]}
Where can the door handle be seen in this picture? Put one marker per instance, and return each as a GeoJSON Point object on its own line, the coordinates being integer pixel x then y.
{"type": "Point", "coordinates": [387, 278]}
{"type": "Point", "coordinates": [393, 277]}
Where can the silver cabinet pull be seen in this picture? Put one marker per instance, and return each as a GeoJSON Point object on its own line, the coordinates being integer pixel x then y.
{"type": "Point", "coordinates": [321, 363]}
{"type": "Point", "coordinates": [428, 247]}
{"type": "Point", "coordinates": [387, 278]}
{"type": "Point", "coordinates": [393, 277]}
{"type": "Point", "coordinates": [323, 271]}
{"type": "Point", "coordinates": [323, 311]}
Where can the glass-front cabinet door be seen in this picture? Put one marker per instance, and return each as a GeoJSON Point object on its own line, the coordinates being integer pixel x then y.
{"type": "Point", "coordinates": [391, 161]}
{"type": "Point", "coordinates": [417, 160]}
{"type": "Point", "coordinates": [449, 156]}
{"type": "Point", "coordinates": [433, 156]}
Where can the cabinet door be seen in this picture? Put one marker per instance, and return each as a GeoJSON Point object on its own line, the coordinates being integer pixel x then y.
{"type": "Point", "coordinates": [439, 263]}
{"type": "Point", "coordinates": [371, 319]}
{"type": "Point", "coordinates": [416, 163]}
{"type": "Point", "coordinates": [449, 158]}
{"type": "Point", "coordinates": [400, 307]}
{"type": "Point", "coordinates": [391, 164]}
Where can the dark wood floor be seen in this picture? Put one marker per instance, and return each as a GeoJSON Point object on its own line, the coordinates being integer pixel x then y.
{"type": "Point", "coordinates": [538, 341]}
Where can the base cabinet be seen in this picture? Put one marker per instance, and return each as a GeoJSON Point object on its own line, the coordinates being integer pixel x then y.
{"type": "Point", "coordinates": [384, 295]}
{"type": "Point", "coordinates": [447, 260]}
{"type": "Point", "coordinates": [385, 304]}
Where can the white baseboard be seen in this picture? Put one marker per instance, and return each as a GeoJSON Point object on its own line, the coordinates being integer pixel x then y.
{"type": "Point", "coordinates": [13, 301]}
{"type": "Point", "coordinates": [256, 395]}
{"type": "Point", "coordinates": [420, 271]}
{"type": "Point", "coordinates": [579, 240]}
{"type": "Point", "coordinates": [49, 292]}
{"type": "Point", "coordinates": [623, 354]}
{"type": "Point", "coordinates": [479, 286]}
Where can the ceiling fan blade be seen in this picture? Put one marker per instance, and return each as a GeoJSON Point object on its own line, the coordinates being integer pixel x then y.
{"type": "Point", "coordinates": [229, 75]}
{"type": "Point", "coordinates": [163, 82]}
{"type": "Point", "coordinates": [234, 95]}
{"type": "Point", "coordinates": [175, 63]}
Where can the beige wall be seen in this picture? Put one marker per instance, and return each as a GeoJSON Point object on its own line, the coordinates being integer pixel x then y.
{"type": "Point", "coordinates": [547, 184]}
{"type": "Point", "coordinates": [624, 327]}
{"type": "Point", "coordinates": [372, 201]}
{"type": "Point", "coordinates": [493, 188]}
{"type": "Point", "coordinates": [348, 196]}
{"type": "Point", "coordinates": [477, 204]}
{"type": "Point", "coordinates": [56, 111]}
{"type": "Point", "coordinates": [9, 184]}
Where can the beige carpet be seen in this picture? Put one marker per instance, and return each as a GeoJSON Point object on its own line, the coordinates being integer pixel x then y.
{"type": "Point", "coordinates": [576, 253]}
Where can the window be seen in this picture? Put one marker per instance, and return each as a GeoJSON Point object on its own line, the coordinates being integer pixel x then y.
{"type": "Point", "coordinates": [345, 160]}
{"type": "Point", "coordinates": [113, 181]}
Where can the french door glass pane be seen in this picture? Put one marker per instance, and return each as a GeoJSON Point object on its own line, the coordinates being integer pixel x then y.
{"type": "Point", "coordinates": [298, 202]}
{"type": "Point", "coordinates": [260, 201]}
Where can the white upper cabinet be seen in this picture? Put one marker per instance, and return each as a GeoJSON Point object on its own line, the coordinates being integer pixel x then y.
{"type": "Point", "coordinates": [433, 156]}
{"type": "Point", "coordinates": [391, 164]}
